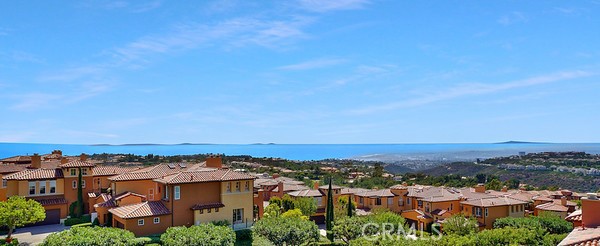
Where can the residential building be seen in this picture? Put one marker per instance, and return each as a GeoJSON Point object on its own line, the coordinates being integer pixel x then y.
{"type": "Point", "coordinates": [588, 231]}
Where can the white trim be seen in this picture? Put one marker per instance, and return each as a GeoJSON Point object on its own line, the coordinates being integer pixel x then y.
{"type": "Point", "coordinates": [156, 220]}
{"type": "Point", "coordinates": [142, 222]}
{"type": "Point", "coordinates": [177, 192]}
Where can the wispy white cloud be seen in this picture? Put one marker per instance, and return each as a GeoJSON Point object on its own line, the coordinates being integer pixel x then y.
{"type": "Point", "coordinates": [313, 64]}
{"type": "Point", "coordinates": [513, 18]}
{"type": "Point", "coordinates": [73, 73]}
{"type": "Point", "coordinates": [145, 7]}
{"type": "Point", "coordinates": [470, 89]}
{"type": "Point", "coordinates": [331, 5]}
{"type": "Point", "coordinates": [236, 32]}
{"type": "Point", "coordinates": [33, 101]}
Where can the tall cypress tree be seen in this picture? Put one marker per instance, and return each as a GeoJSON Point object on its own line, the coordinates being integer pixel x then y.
{"type": "Point", "coordinates": [350, 207]}
{"type": "Point", "coordinates": [329, 213]}
{"type": "Point", "coordinates": [79, 194]}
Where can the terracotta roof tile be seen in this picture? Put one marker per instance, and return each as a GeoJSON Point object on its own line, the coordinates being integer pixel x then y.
{"type": "Point", "coordinates": [582, 237]}
{"type": "Point", "coordinates": [203, 176]}
{"type": "Point", "coordinates": [11, 168]}
{"type": "Point", "coordinates": [157, 171]}
{"type": "Point", "coordinates": [376, 193]}
{"type": "Point", "coordinates": [139, 210]}
{"type": "Point", "coordinates": [306, 193]}
{"type": "Point", "coordinates": [575, 216]}
{"type": "Point", "coordinates": [550, 206]}
{"type": "Point", "coordinates": [36, 174]}
{"type": "Point", "coordinates": [51, 201]}
{"type": "Point", "coordinates": [112, 170]}
{"type": "Point", "coordinates": [208, 205]}
{"type": "Point", "coordinates": [493, 201]}
{"type": "Point", "coordinates": [77, 163]}
{"type": "Point", "coordinates": [19, 158]}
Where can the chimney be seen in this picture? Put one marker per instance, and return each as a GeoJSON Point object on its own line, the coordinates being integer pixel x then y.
{"type": "Point", "coordinates": [58, 152]}
{"type": "Point", "coordinates": [404, 183]}
{"type": "Point", "coordinates": [214, 161]}
{"type": "Point", "coordinates": [280, 188]}
{"type": "Point", "coordinates": [480, 188]}
{"type": "Point", "coordinates": [275, 175]}
{"type": "Point", "coordinates": [504, 189]}
{"type": "Point", "coordinates": [64, 160]}
{"type": "Point", "coordinates": [36, 161]}
{"type": "Point", "coordinates": [316, 185]}
{"type": "Point", "coordinates": [589, 210]}
{"type": "Point", "coordinates": [563, 201]}
{"type": "Point", "coordinates": [83, 157]}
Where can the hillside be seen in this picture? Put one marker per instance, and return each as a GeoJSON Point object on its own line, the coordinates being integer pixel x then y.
{"type": "Point", "coordinates": [535, 178]}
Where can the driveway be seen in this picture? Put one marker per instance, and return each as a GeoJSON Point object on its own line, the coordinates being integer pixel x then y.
{"type": "Point", "coordinates": [35, 235]}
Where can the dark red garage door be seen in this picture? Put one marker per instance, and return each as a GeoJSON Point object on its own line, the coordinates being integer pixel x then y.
{"type": "Point", "coordinates": [52, 217]}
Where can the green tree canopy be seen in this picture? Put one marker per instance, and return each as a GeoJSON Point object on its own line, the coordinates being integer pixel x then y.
{"type": "Point", "coordinates": [459, 225]}
{"type": "Point", "coordinates": [200, 235]}
{"type": "Point", "coordinates": [100, 236]}
{"type": "Point", "coordinates": [286, 231]}
{"type": "Point", "coordinates": [18, 211]}
{"type": "Point", "coordinates": [307, 205]}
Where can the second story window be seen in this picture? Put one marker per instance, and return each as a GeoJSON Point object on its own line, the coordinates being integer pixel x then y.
{"type": "Point", "coordinates": [451, 207]}
{"type": "Point", "coordinates": [82, 183]}
{"type": "Point", "coordinates": [31, 187]}
{"type": "Point", "coordinates": [486, 212]}
{"type": "Point", "coordinates": [74, 184]}
{"type": "Point", "coordinates": [73, 171]}
{"type": "Point", "coordinates": [43, 187]}
{"type": "Point", "coordinates": [52, 186]}
{"type": "Point", "coordinates": [237, 186]}
{"type": "Point", "coordinates": [228, 186]}
{"type": "Point", "coordinates": [247, 186]}
{"type": "Point", "coordinates": [318, 200]}
{"type": "Point", "coordinates": [176, 192]}
{"type": "Point", "coordinates": [478, 211]}
{"type": "Point", "coordinates": [4, 183]}
{"type": "Point", "coordinates": [84, 171]}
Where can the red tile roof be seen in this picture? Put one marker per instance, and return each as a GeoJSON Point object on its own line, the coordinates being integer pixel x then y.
{"type": "Point", "coordinates": [112, 170]}
{"type": "Point", "coordinates": [158, 171]}
{"type": "Point", "coordinates": [139, 210]}
{"type": "Point", "coordinates": [550, 206]}
{"type": "Point", "coordinates": [575, 216]}
{"type": "Point", "coordinates": [582, 237]}
{"type": "Point", "coordinates": [204, 176]}
{"type": "Point", "coordinates": [108, 201]}
{"type": "Point", "coordinates": [77, 163]}
{"type": "Point", "coordinates": [208, 205]}
{"type": "Point", "coordinates": [126, 194]}
{"type": "Point", "coordinates": [306, 193]}
{"type": "Point", "coordinates": [493, 201]}
{"type": "Point", "coordinates": [11, 168]}
{"type": "Point", "coordinates": [19, 158]}
{"type": "Point", "coordinates": [51, 201]}
{"type": "Point", "coordinates": [36, 174]}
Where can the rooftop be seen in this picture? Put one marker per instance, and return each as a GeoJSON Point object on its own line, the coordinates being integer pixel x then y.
{"type": "Point", "coordinates": [207, 175]}
{"type": "Point", "coordinates": [35, 174]}
{"type": "Point", "coordinates": [139, 210]}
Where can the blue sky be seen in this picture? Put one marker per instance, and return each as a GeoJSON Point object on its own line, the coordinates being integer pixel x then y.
{"type": "Point", "coordinates": [302, 71]}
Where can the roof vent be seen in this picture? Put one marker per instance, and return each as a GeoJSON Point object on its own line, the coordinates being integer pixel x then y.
{"type": "Point", "coordinates": [171, 165]}
{"type": "Point", "coordinates": [182, 165]}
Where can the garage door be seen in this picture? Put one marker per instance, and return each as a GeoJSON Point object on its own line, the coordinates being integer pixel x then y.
{"type": "Point", "coordinates": [52, 217]}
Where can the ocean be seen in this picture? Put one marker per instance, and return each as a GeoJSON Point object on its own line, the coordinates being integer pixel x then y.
{"type": "Point", "coordinates": [379, 152]}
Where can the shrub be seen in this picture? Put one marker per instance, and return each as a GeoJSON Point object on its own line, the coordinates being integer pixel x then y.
{"type": "Point", "coordinates": [155, 238]}
{"type": "Point", "coordinates": [460, 225]}
{"type": "Point", "coordinates": [553, 224]}
{"type": "Point", "coordinates": [88, 224]}
{"type": "Point", "coordinates": [286, 231]}
{"type": "Point", "coordinates": [86, 218]}
{"type": "Point", "coordinates": [73, 221]}
{"type": "Point", "coordinates": [96, 222]}
{"type": "Point", "coordinates": [204, 234]}
{"type": "Point", "coordinates": [350, 228]}
{"type": "Point", "coordinates": [99, 236]}
{"type": "Point", "coordinates": [245, 234]}
{"type": "Point", "coordinates": [221, 223]}
{"type": "Point", "coordinates": [14, 242]}
{"type": "Point", "coordinates": [140, 241]}
{"type": "Point", "coordinates": [261, 241]}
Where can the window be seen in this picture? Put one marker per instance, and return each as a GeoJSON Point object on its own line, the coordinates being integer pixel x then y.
{"type": "Point", "coordinates": [477, 211]}
{"type": "Point", "coordinates": [238, 215]}
{"type": "Point", "coordinates": [319, 200]}
{"type": "Point", "coordinates": [74, 184]}
{"type": "Point", "coordinates": [52, 186]}
{"type": "Point", "coordinates": [42, 187]}
{"type": "Point", "coordinates": [427, 207]}
{"type": "Point", "coordinates": [84, 171]}
{"type": "Point", "coordinates": [390, 201]}
{"type": "Point", "coordinates": [156, 220]}
{"type": "Point", "coordinates": [141, 222]}
{"type": "Point", "coordinates": [237, 186]}
{"type": "Point", "coordinates": [247, 186]}
{"type": "Point", "coordinates": [408, 201]}
{"type": "Point", "coordinates": [451, 207]}
{"type": "Point", "coordinates": [32, 188]}
{"type": "Point", "coordinates": [201, 211]}
{"type": "Point", "coordinates": [73, 171]}
{"type": "Point", "coordinates": [82, 183]}
{"type": "Point", "coordinates": [208, 210]}
{"type": "Point", "coordinates": [486, 212]}
{"type": "Point", "coordinates": [420, 203]}
{"type": "Point", "coordinates": [216, 210]}
{"type": "Point", "coordinates": [512, 209]}
{"type": "Point", "coordinates": [4, 182]}
{"type": "Point", "coordinates": [166, 193]}
{"type": "Point", "coordinates": [360, 199]}
{"type": "Point", "coordinates": [228, 187]}
{"type": "Point", "coordinates": [400, 202]}
{"type": "Point", "coordinates": [177, 192]}
{"type": "Point", "coordinates": [378, 201]}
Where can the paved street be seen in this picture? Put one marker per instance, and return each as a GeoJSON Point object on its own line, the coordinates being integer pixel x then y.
{"type": "Point", "coordinates": [36, 234]}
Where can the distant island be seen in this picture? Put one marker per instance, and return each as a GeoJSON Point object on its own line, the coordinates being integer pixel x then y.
{"type": "Point", "coordinates": [521, 142]}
